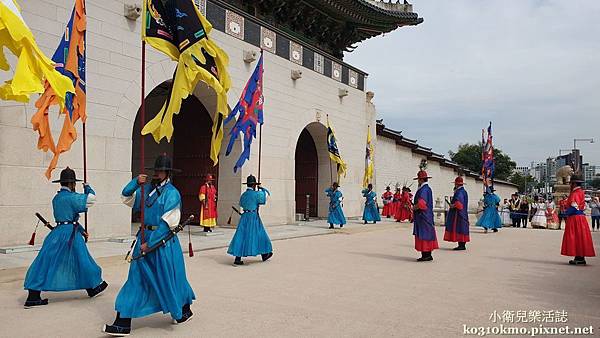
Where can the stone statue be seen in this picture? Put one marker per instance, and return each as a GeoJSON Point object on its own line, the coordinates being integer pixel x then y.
{"type": "Point", "coordinates": [563, 174]}
{"type": "Point", "coordinates": [132, 10]}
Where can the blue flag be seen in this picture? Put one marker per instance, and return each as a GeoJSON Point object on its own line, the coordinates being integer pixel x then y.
{"type": "Point", "coordinates": [250, 111]}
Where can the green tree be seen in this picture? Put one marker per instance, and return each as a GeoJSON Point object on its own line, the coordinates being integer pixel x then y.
{"type": "Point", "coordinates": [469, 156]}
{"type": "Point", "coordinates": [523, 182]}
{"type": "Point", "coordinates": [596, 183]}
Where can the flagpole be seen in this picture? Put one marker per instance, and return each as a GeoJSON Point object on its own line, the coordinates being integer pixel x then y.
{"type": "Point", "coordinates": [142, 150]}
{"type": "Point", "coordinates": [260, 129]}
{"type": "Point", "coordinates": [85, 217]}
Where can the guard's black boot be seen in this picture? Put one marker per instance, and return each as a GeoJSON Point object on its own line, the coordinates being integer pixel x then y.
{"type": "Point", "coordinates": [425, 257]}
{"type": "Point", "coordinates": [341, 226]}
{"type": "Point", "coordinates": [97, 290]}
{"type": "Point", "coordinates": [578, 261]}
{"type": "Point", "coordinates": [495, 230]}
{"type": "Point", "coordinates": [238, 261]}
{"type": "Point", "coordinates": [206, 229]}
{"type": "Point", "coordinates": [265, 257]}
{"type": "Point", "coordinates": [120, 328]}
{"type": "Point", "coordinates": [461, 246]}
{"type": "Point", "coordinates": [365, 222]}
{"type": "Point", "coordinates": [186, 315]}
{"type": "Point", "coordinates": [330, 225]}
{"type": "Point", "coordinates": [34, 299]}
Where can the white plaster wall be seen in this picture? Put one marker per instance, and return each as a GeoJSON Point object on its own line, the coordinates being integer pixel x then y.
{"type": "Point", "coordinates": [113, 78]}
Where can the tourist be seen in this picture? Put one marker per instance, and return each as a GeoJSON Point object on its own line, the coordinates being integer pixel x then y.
{"type": "Point", "coordinates": [505, 213]}
{"type": "Point", "coordinates": [387, 199]}
{"type": "Point", "coordinates": [336, 213]}
{"type": "Point", "coordinates": [515, 209]}
{"type": "Point", "coordinates": [577, 238]}
{"type": "Point", "coordinates": [551, 215]}
{"type": "Point", "coordinates": [208, 204]}
{"type": "Point", "coordinates": [524, 211]}
{"type": "Point", "coordinates": [563, 205]}
{"type": "Point", "coordinates": [64, 262]}
{"type": "Point", "coordinates": [423, 229]}
{"type": "Point", "coordinates": [250, 237]}
{"type": "Point", "coordinates": [457, 222]}
{"type": "Point", "coordinates": [371, 212]}
{"type": "Point", "coordinates": [156, 282]}
{"type": "Point", "coordinates": [490, 219]}
{"type": "Point", "coordinates": [595, 208]}
{"type": "Point", "coordinates": [538, 220]}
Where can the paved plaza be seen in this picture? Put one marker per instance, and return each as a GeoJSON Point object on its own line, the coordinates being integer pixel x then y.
{"type": "Point", "coordinates": [362, 281]}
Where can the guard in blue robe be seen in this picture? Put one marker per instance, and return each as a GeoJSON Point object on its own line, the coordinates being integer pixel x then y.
{"type": "Point", "coordinates": [336, 214]}
{"type": "Point", "coordinates": [64, 262]}
{"type": "Point", "coordinates": [251, 238]}
{"type": "Point", "coordinates": [423, 229]}
{"type": "Point", "coordinates": [371, 212]}
{"type": "Point", "coordinates": [490, 218]}
{"type": "Point", "coordinates": [157, 282]}
{"type": "Point", "coordinates": [457, 221]}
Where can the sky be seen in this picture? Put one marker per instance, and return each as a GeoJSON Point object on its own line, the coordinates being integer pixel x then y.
{"type": "Point", "coordinates": [532, 67]}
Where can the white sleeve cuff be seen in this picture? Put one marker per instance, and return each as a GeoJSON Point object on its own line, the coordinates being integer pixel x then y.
{"type": "Point", "coordinates": [172, 217]}
{"type": "Point", "coordinates": [91, 199]}
{"type": "Point", "coordinates": [129, 200]}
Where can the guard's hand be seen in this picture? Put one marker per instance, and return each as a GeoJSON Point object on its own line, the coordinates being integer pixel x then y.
{"type": "Point", "coordinates": [144, 247]}
{"type": "Point", "coordinates": [142, 179]}
{"type": "Point", "coordinates": [86, 235]}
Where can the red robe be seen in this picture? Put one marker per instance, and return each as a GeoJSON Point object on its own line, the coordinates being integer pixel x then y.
{"type": "Point", "coordinates": [405, 208]}
{"type": "Point", "coordinates": [387, 198]}
{"type": "Point", "coordinates": [208, 205]}
{"type": "Point", "coordinates": [396, 203]}
{"type": "Point", "coordinates": [577, 238]}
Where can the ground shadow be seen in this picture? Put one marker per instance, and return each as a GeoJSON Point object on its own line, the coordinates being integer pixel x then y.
{"type": "Point", "coordinates": [385, 256]}
{"type": "Point", "coordinates": [529, 260]}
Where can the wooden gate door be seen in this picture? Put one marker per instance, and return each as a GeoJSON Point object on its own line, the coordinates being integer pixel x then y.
{"type": "Point", "coordinates": [307, 174]}
{"type": "Point", "coordinates": [191, 154]}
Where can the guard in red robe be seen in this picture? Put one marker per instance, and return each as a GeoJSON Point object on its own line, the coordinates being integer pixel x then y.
{"type": "Point", "coordinates": [208, 204]}
{"type": "Point", "coordinates": [405, 206]}
{"type": "Point", "coordinates": [387, 199]}
{"type": "Point", "coordinates": [424, 230]}
{"type": "Point", "coordinates": [396, 203]}
{"type": "Point", "coordinates": [577, 238]}
{"type": "Point", "coordinates": [457, 222]}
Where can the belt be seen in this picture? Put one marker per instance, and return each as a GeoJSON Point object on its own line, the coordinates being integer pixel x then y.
{"type": "Point", "coordinates": [151, 227]}
{"type": "Point", "coordinates": [66, 222]}
{"type": "Point", "coordinates": [245, 211]}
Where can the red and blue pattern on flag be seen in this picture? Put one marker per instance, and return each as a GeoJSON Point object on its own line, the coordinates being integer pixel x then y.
{"type": "Point", "coordinates": [487, 157]}
{"type": "Point", "coordinates": [250, 111]}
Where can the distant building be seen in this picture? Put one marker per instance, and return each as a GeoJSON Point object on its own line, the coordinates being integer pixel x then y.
{"type": "Point", "coordinates": [523, 171]}
{"type": "Point", "coordinates": [589, 173]}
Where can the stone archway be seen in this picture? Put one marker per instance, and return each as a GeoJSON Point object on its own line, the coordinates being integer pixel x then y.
{"type": "Point", "coordinates": [312, 171]}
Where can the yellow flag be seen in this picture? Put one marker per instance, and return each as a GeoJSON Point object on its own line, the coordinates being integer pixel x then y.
{"type": "Point", "coordinates": [33, 67]}
{"type": "Point", "coordinates": [368, 177]}
{"type": "Point", "coordinates": [179, 30]}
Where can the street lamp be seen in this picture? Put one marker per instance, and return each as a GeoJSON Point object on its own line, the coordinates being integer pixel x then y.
{"type": "Point", "coordinates": [590, 140]}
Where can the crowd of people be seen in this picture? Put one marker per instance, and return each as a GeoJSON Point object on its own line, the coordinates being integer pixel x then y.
{"type": "Point", "coordinates": [157, 279]}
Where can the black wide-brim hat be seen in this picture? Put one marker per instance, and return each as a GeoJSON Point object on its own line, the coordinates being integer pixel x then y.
{"type": "Point", "coordinates": [67, 175]}
{"type": "Point", "coordinates": [163, 163]}
{"type": "Point", "coordinates": [251, 180]}
{"type": "Point", "coordinates": [577, 178]}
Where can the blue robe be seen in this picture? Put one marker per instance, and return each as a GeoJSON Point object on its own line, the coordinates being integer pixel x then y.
{"type": "Point", "coordinates": [251, 238]}
{"type": "Point", "coordinates": [490, 219]}
{"type": "Point", "coordinates": [371, 212]}
{"type": "Point", "coordinates": [457, 221]}
{"type": "Point", "coordinates": [423, 229]}
{"type": "Point", "coordinates": [336, 214]}
{"type": "Point", "coordinates": [158, 281]}
{"type": "Point", "coordinates": [64, 262]}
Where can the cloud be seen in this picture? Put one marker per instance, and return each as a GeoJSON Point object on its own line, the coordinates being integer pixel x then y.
{"type": "Point", "coordinates": [530, 66]}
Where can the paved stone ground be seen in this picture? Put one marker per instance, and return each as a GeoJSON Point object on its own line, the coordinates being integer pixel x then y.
{"type": "Point", "coordinates": [360, 282]}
